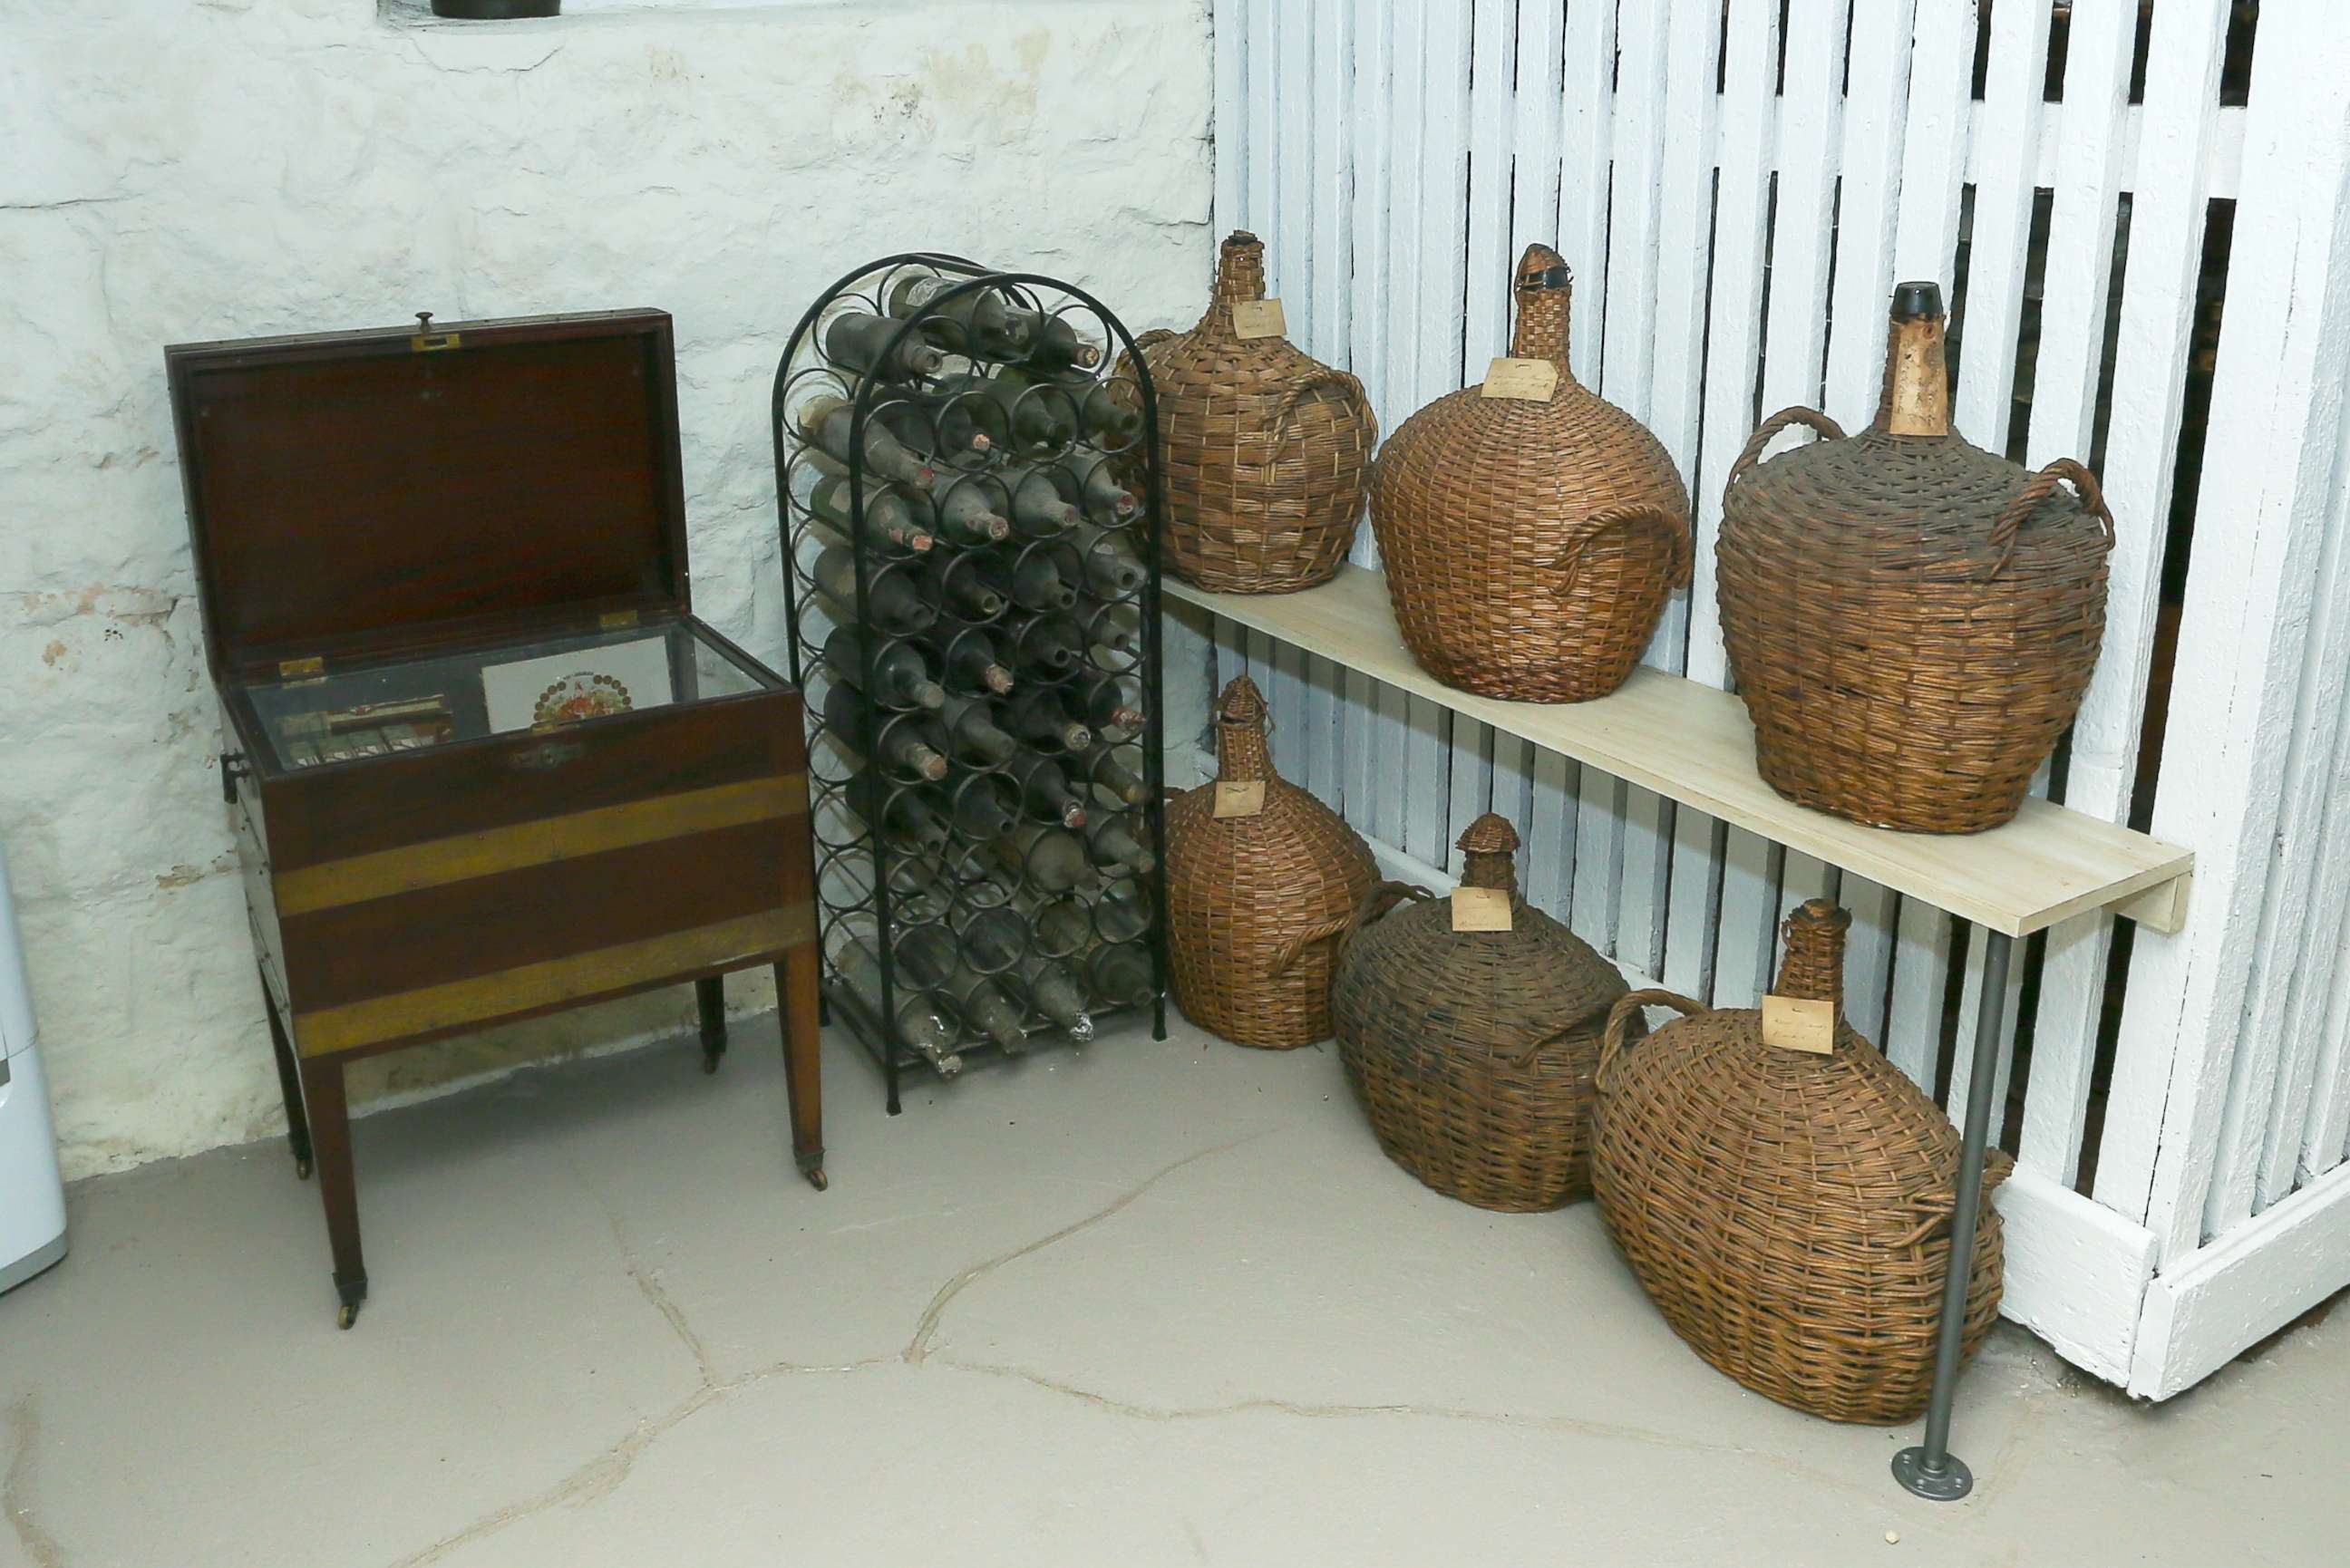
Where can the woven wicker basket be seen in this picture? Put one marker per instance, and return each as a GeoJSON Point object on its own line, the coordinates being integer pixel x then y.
{"type": "Point", "coordinates": [1472, 1052]}
{"type": "Point", "coordinates": [1788, 1213]}
{"type": "Point", "coordinates": [1241, 889]}
{"type": "Point", "coordinates": [1267, 452]}
{"type": "Point", "coordinates": [1530, 547]}
{"type": "Point", "coordinates": [1911, 620]}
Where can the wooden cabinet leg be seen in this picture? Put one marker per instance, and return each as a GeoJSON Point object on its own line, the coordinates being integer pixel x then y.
{"type": "Point", "coordinates": [330, 1135]}
{"type": "Point", "coordinates": [710, 996]}
{"type": "Point", "coordinates": [796, 1000]}
{"type": "Point", "coordinates": [289, 1084]}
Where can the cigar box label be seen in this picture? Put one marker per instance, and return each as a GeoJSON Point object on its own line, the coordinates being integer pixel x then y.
{"type": "Point", "coordinates": [1523, 381]}
{"type": "Point", "coordinates": [1259, 319]}
{"type": "Point", "coordinates": [1799, 1023]}
{"type": "Point", "coordinates": [1239, 799]}
{"type": "Point", "coordinates": [1481, 909]}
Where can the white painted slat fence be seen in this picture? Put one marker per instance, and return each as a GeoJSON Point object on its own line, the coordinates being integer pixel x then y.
{"type": "Point", "coordinates": [1733, 237]}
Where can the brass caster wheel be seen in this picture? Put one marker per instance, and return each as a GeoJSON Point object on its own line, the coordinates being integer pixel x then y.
{"type": "Point", "coordinates": [817, 1179]}
{"type": "Point", "coordinates": [301, 1170]}
{"type": "Point", "coordinates": [348, 1315]}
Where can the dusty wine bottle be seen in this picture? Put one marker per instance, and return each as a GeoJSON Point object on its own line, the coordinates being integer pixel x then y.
{"type": "Point", "coordinates": [1123, 912]}
{"type": "Point", "coordinates": [862, 340]}
{"type": "Point", "coordinates": [1051, 858]}
{"type": "Point", "coordinates": [996, 929]}
{"type": "Point", "coordinates": [897, 810]}
{"type": "Point", "coordinates": [985, 805]}
{"type": "Point", "coordinates": [827, 421]}
{"type": "Point", "coordinates": [1063, 925]}
{"type": "Point", "coordinates": [1108, 421]}
{"type": "Point", "coordinates": [1041, 578]}
{"type": "Point", "coordinates": [964, 509]}
{"type": "Point", "coordinates": [1113, 844]}
{"type": "Point", "coordinates": [1038, 508]}
{"type": "Point", "coordinates": [901, 677]}
{"type": "Point", "coordinates": [890, 602]}
{"type": "Point", "coordinates": [1043, 419]}
{"type": "Point", "coordinates": [1051, 988]}
{"type": "Point", "coordinates": [917, 1022]}
{"type": "Point", "coordinates": [1121, 976]}
{"type": "Point", "coordinates": [1110, 703]}
{"type": "Point", "coordinates": [884, 522]}
{"type": "Point", "coordinates": [981, 323]}
{"type": "Point", "coordinates": [986, 1007]}
{"type": "Point", "coordinates": [971, 734]}
{"type": "Point", "coordinates": [1044, 789]}
{"type": "Point", "coordinates": [1037, 716]}
{"type": "Point", "coordinates": [1104, 771]}
{"type": "Point", "coordinates": [1043, 645]}
{"type": "Point", "coordinates": [958, 587]}
{"type": "Point", "coordinates": [942, 430]}
{"type": "Point", "coordinates": [1054, 344]}
{"type": "Point", "coordinates": [894, 739]}
{"type": "Point", "coordinates": [1098, 491]}
{"type": "Point", "coordinates": [1112, 569]}
{"type": "Point", "coordinates": [970, 663]}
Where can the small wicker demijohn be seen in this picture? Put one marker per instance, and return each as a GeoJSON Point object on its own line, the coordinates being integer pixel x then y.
{"type": "Point", "coordinates": [1912, 620]}
{"type": "Point", "coordinates": [1788, 1212]}
{"type": "Point", "coordinates": [1266, 451]}
{"type": "Point", "coordinates": [1472, 1052]}
{"type": "Point", "coordinates": [1529, 543]}
{"type": "Point", "coordinates": [1241, 889]}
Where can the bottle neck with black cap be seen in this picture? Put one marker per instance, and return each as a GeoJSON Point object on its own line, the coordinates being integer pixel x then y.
{"type": "Point", "coordinates": [1916, 400]}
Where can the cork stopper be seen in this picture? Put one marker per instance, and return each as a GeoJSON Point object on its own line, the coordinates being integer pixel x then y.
{"type": "Point", "coordinates": [1242, 755]}
{"type": "Point", "coordinates": [1812, 969]}
{"type": "Point", "coordinates": [1545, 299]}
{"type": "Point", "coordinates": [1488, 850]}
{"type": "Point", "coordinates": [1917, 396]}
{"type": "Point", "coordinates": [1240, 268]}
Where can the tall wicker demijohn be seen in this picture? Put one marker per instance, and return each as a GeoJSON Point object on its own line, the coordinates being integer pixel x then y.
{"type": "Point", "coordinates": [1788, 1212]}
{"type": "Point", "coordinates": [1266, 451]}
{"type": "Point", "coordinates": [1530, 543]}
{"type": "Point", "coordinates": [1472, 1052]}
{"type": "Point", "coordinates": [1243, 889]}
{"type": "Point", "coordinates": [1912, 620]}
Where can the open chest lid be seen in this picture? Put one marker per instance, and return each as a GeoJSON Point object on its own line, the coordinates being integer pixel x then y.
{"type": "Point", "coordinates": [356, 492]}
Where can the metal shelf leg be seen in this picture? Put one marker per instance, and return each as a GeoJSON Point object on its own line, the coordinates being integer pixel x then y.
{"type": "Point", "coordinates": [1931, 1469]}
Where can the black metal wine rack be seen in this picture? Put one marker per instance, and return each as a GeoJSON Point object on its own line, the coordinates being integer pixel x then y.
{"type": "Point", "coordinates": [946, 935]}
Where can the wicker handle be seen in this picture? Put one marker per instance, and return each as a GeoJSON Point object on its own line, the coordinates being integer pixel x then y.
{"type": "Point", "coordinates": [1938, 1206]}
{"type": "Point", "coordinates": [1769, 428]}
{"type": "Point", "coordinates": [1536, 1046]}
{"type": "Point", "coordinates": [2039, 488]}
{"type": "Point", "coordinates": [1670, 528]}
{"type": "Point", "coordinates": [1284, 420]}
{"type": "Point", "coordinates": [1619, 1017]}
{"type": "Point", "coordinates": [1155, 337]}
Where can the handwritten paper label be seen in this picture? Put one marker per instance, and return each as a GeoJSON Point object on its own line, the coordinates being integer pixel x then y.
{"type": "Point", "coordinates": [1798, 1024]}
{"type": "Point", "coordinates": [1259, 319]}
{"type": "Point", "coordinates": [1239, 799]}
{"type": "Point", "coordinates": [1481, 909]}
{"type": "Point", "coordinates": [1526, 380]}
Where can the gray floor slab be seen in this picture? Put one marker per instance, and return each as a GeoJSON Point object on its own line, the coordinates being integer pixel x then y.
{"type": "Point", "coordinates": [1152, 1304]}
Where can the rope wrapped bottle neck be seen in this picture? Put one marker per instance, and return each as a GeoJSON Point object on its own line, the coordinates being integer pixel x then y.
{"type": "Point", "coordinates": [1916, 397]}
{"type": "Point", "coordinates": [1242, 755]}
{"type": "Point", "coordinates": [1546, 315]}
{"type": "Point", "coordinates": [1813, 968]}
{"type": "Point", "coordinates": [1489, 868]}
{"type": "Point", "coordinates": [1240, 270]}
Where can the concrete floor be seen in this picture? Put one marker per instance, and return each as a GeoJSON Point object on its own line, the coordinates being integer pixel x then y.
{"type": "Point", "coordinates": [1156, 1303]}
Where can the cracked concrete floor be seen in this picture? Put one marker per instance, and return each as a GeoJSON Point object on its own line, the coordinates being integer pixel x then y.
{"type": "Point", "coordinates": [1158, 1303]}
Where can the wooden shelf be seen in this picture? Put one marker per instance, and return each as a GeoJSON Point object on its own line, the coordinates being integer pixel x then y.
{"type": "Point", "coordinates": [1694, 744]}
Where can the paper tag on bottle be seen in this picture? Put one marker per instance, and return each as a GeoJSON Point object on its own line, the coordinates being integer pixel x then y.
{"type": "Point", "coordinates": [1259, 319]}
{"type": "Point", "coordinates": [1239, 799]}
{"type": "Point", "coordinates": [1799, 1023]}
{"type": "Point", "coordinates": [1481, 908]}
{"type": "Point", "coordinates": [1526, 380]}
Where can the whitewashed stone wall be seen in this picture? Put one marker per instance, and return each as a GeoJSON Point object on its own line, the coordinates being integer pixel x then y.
{"type": "Point", "coordinates": [176, 170]}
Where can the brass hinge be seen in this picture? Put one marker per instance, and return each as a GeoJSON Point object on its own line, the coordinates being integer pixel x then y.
{"type": "Point", "coordinates": [613, 621]}
{"type": "Point", "coordinates": [298, 668]}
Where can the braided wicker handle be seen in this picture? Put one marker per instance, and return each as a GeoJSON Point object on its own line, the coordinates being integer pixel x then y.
{"type": "Point", "coordinates": [1669, 527]}
{"type": "Point", "coordinates": [1769, 428]}
{"type": "Point", "coordinates": [2039, 488]}
{"type": "Point", "coordinates": [1285, 419]}
{"type": "Point", "coordinates": [1535, 1047]}
{"type": "Point", "coordinates": [1382, 897]}
{"type": "Point", "coordinates": [1938, 1206]}
{"type": "Point", "coordinates": [1620, 1016]}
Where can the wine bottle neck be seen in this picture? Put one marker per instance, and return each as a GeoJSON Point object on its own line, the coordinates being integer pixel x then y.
{"type": "Point", "coordinates": [1240, 272]}
{"type": "Point", "coordinates": [1916, 398]}
{"type": "Point", "coordinates": [1813, 968]}
{"type": "Point", "coordinates": [1488, 868]}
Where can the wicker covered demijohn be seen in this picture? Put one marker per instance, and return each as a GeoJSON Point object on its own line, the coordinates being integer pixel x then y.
{"type": "Point", "coordinates": [1912, 620]}
{"type": "Point", "coordinates": [1788, 1212]}
{"type": "Point", "coordinates": [1241, 888]}
{"type": "Point", "coordinates": [1472, 1052]}
{"type": "Point", "coordinates": [1530, 543]}
{"type": "Point", "coordinates": [1265, 451]}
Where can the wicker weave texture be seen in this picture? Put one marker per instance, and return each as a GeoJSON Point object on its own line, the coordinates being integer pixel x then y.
{"type": "Point", "coordinates": [1788, 1213]}
{"type": "Point", "coordinates": [1530, 547]}
{"type": "Point", "coordinates": [1242, 890]}
{"type": "Point", "coordinates": [1266, 451]}
{"type": "Point", "coordinates": [1911, 620]}
{"type": "Point", "coordinates": [1472, 1052]}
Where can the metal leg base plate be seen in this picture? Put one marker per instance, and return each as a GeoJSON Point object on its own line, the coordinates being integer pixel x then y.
{"type": "Point", "coordinates": [1948, 1484]}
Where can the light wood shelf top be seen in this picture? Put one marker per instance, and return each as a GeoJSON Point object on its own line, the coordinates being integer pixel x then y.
{"type": "Point", "coordinates": [1694, 744]}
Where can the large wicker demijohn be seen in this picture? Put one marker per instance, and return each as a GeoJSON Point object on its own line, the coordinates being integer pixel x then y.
{"type": "Point", "coordinates": [1241, 889]}
{"type": "Point", "coordinates": [1789, 1213]}
{"type": "Point", "coordinates": [1530, 545]}
{"type": "Point", "coordinates": [1912, 620]}
{"type": "Point", "coordinates": [1472, 1052]}
{"type": "Point", "coordinates": [1265, 451]}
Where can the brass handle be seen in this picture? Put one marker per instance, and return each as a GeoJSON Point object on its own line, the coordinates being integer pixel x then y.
{"type": "Point", "coordinates": [546, 756]}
